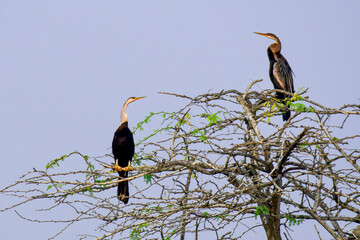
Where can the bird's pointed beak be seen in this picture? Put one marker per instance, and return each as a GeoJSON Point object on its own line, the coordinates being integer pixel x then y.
{"type": "Point", "coordinates": [263, 34]}
{"type": "Point", "coordinates": [138, 98]}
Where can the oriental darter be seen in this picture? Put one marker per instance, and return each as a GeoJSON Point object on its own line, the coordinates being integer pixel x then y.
{"type": "Point", "coordinates": [280, 71]}
{"type": "Point", "coordinates": [123, 148]}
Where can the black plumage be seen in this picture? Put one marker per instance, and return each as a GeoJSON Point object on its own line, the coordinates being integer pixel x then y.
{"type": "Point", "coordinates": [280, 71]}
{"type": "Point", "coordinates": [123, 149]}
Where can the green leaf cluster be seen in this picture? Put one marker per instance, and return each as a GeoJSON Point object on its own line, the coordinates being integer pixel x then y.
{"type": "Point", "coordinates": [147, 178]}
{"type": "Point", "coordinates": [87, 189]}
{"type": "Point", "coordinates": [138, 157]}
{"type": "Point", "coordinates": [293, 221]}
{"type": "Point", "coordinates": [55, 162]}
{"type": "Point", "coordinates": [275, 105]}
{"type": "Point", "coordinates": [202, 133]}
{"type": "Point", "coordinates": [54, 185]}
{"type": "Point", "coordinates": [300, 107]}
{"type": "Point", "coordinates": [261, 210]}
{"type": "Point", "coordinates": [212, 118]}
{"type": "Point", "coordinates": [140, 125]}
{"type": "Point", "coordinates": [136, 232]}
{"type": "Point", "coordinates": [103, 181]}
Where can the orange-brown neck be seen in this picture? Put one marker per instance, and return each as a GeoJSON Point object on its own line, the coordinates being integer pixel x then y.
{"type": "Point", "coordinates": [275, 47]}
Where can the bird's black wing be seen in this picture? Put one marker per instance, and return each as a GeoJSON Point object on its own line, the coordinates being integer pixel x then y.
{"type": "Point", "coordinates": [273, 73]}
{"type": "Point", "coordinates": [123, 148]}
{"type": "Point", "coordinates": [283, 74]}
{"type": "Point", "coordinates": [123, 145]}
{"type": "Point", "coordinates": [282, 78]}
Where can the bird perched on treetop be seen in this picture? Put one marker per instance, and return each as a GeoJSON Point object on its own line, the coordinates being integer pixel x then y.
{"type": "Point", "coordinates": [280, 71]}
{"type": "Point", "coordinates": [123, 149]}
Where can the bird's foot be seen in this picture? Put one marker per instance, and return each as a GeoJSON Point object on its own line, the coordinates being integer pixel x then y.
{"type": "Point", "coordinates": [116, 167]}
{"type": "Point", "coordinates": [127, 169]}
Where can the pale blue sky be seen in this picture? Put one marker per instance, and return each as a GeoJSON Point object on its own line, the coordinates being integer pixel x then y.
{"type": "Point", "coordinates": [66, 67]}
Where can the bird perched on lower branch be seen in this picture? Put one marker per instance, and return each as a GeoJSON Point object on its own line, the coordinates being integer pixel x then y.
{"type": "Point", "coordinates": [123, 149]}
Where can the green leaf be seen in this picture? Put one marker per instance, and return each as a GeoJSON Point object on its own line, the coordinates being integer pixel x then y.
{"type": "Point", "coordinates": [90, 191]}
{"type": "Point", "coordinates": [261, 210]}
{"type": "Point", "coordinates": [136, 232]}
{"type": "Point", "coordinates": [213, 118]}
{"type": "Point", "coordinates": [147, 178]}
{"type": "Point", "coordinates": [158, 208]}
{"type": "Point", "coordinates": [293, 221]}
{"type": "Point", "coordinates": [304, 145]}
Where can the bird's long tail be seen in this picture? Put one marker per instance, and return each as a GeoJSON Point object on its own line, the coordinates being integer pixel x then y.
{"type": "Point", "coordinates": [123, 188]}
{"type": "Point", "coordinates": [286, 115]}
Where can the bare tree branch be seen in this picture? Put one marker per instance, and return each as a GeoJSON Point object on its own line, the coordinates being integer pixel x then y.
{"type": "Point", "coordinates": [215, 165]}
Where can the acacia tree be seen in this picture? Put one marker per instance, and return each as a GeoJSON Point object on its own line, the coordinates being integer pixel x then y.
{"type": "Point", "coordinates": [219, 164]}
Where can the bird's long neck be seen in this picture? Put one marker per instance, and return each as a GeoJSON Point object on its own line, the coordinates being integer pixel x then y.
{"type": "Point", "coordinates": [124, 117]}
{"type": "Point", "coordinates": [276, 47]}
